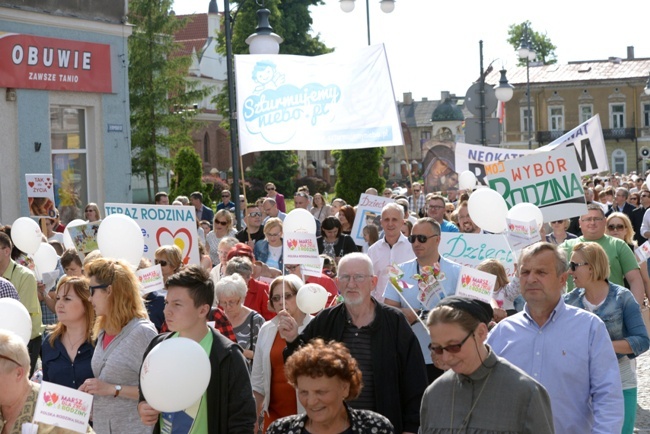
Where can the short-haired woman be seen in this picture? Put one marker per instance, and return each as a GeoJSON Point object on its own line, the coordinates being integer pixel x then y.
{"type": "Point", "coordinates": [269, 250]}
{"type": "Point", "coordinates": [222, 228]}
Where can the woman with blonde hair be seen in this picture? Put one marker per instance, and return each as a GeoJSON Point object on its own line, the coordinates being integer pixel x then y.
{"type": "Point", "coordinates": [505, 291]}
{"type": "Point", "coordinates": [559, 232]}
{"type": "Point", "coordinates": [91, 212]}
{"type": "Point", "coordinates": [219, 269]}
{"type": "Point", "coordinates": [222, 228]}
{"type": "Point", "coordinates": [320, 209]}
{"type": "Point", "coordinates": [619, 226]}
{"type": "Point", "coordinates": [122, 332]}
{"type": "Point", "coordinates": [170, 259]}
{"type": "Point", "coordinates": [269, 250]}
{"type": "Point", "coordinates": [68, 346]}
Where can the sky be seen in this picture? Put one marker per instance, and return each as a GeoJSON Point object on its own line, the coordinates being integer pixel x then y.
{"type": "Point", "coordinates": [433, 45]}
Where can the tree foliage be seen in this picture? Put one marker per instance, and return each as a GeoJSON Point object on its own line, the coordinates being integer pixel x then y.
{"type": "Point", "coordinates": [279, 167]}
{"type": "Point", "coordinates": [541, 43]}
{"type": "Point", "coordinates": [188, 172]}
{"type": "Point", "coordinates": [161, 96]}
{"type": "Point", "coordinates": [358, 170]}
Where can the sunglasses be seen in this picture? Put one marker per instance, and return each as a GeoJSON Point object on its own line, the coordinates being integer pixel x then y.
{"type": "Point", "coordinates": [255, 214]}
{"type": "Point", "coordinates": [416, 191]}
{"type": "Point", "coordinates": [420, 238]}
{"type": "Point", "coordinates": [93, 288]}
{"type": "Point", "coordinates": [162, 263]}
{"type": "Point", "coordinates": [554, 222]}
{"type": "Point", "coordinates": [451, 349]}
{"type": "Point", "coordinates": [278, 298]}
{"type": "Point", "coordinates": [574, 265]}
{"type": "Point", "coordinates": [270, 189]}
{"type": "Point", "coordinates": [219, 222]}
{"type": "Point", "coordinates": [615, 227]}
{"type": "Point", "coordinates": [225, 195]}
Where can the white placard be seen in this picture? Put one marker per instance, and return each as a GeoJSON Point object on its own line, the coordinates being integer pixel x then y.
{"type": "Point", "coordinates": [63, 407]}
{"type": "Point", "coordinates": [151, 279]}
{"type": "Point", "coordinates": [300, 248]}
{"type": "Point", "coordinates": [521, 234]}
{"type": "Point", "coordinates": [472, 249]}
{"type": "Point", "coordinates": [368, 211]}
{"type": "Point", "coordinates": [40, 195]}
{"type": "Point", "coordinates": [475, 284]}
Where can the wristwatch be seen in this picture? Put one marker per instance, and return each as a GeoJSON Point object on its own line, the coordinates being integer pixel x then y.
{"type": "Point", "coordinates": [118, 389]}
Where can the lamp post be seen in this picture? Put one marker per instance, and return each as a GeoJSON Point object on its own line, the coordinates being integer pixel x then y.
{"type": "Point", "coordinates": [263, 41]}
{"type": "Point", "coordinates": [527, 52]}
{"type": "Point", "coordinates": [387, 6]}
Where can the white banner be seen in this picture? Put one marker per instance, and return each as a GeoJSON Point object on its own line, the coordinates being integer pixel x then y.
{"type": "Point", "coordinates": [550, 180]}
{"type": "Point", "coordinates": [63, 407]}
{"type": "Point", "coordinates": [40, 195]}
{"type": "Point", "coordinates": [163, 225]}
{"type": "Point", "coordinates": [342, 100]}
{"type": "Point", "coordinates": [300, 248]}
{"type": "Point", "coordinates": [472, 249]}
{"type": "Point", "coordinates": [586, 140]}
{"type": "Point", "coordinates": [151, 279]}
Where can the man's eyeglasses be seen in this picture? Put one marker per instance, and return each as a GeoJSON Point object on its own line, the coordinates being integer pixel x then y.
{"type": "Point", "coordinates": [161, 262]}
{"type": "Point", "coordinates": [94, 288]}
{"type": "Point", "coordinates": [451, 349]}
{"type": "Point", "coordinates": [255, 214]}
{"type": "Point", "coordinates": [219, 222]}
{"type": "Point", "coordinates": [436, 207]}
{"type": "Point", "coordinates": [416, 191]}
{"type": "Point", "coordinates": [615, 227]}
{"type": "Point", "coordinates": [420, 238]}
{"type": "Point", "coordinates": [592, 219]}
{"type": "Point", "coordinates": [278, 298]}
{"type": "Point", "coordinates": [574, 265]}
{"type": "Point", "coordinates": [358, 278]}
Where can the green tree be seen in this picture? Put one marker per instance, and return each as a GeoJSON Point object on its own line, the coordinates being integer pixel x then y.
{"type": "Point", "coordinates": [162, 97]}
{"type": "Point", "coordinates": [540, 42]}
{"type": "Point", "coordinates": [358, 170]}
{"type": "Point", "coordinates": [188, 170]}
{"type": "Point", "coordinates": [279, 167]}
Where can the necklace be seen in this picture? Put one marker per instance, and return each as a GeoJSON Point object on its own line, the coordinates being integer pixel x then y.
{"type": "Point", "coordinates": [469, 414]}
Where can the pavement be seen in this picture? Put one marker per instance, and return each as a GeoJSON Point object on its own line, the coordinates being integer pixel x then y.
{"type": "Point", "coordinates": [642, 424]}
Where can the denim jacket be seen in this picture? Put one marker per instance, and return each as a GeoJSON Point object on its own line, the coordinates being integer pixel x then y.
{"type": "Point", "coordinates": [261, 252]}
{"type": "Point", "coordinates": [621, 314]}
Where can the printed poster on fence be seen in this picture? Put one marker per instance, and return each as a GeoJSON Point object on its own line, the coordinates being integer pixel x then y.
{"type": "Point", "coordinates": [341, 100]}
{"type": "Point", "coordinates": [586, 140]}
{"type": "Point", "coordinates": [40, 195]}
{"type": "Point", "coordinates": [550, 180]}
{"type": "Point", "coordinates": [300, 248]}
{"type": "Point", "coordinates": [151, 279]}
{"type": "Point", "coordinates": [163, 225]}
{"type": "Point", "coordinates": [368, 212]}
{"type": "Point", "coordinates": [475, 284]}
{"type": "Point", "coordinates": [472, 249]}
{"type": "Point", "coordinates": [63, 407]}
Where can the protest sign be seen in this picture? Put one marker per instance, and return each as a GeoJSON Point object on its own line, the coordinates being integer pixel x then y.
{"type": "Point", "coordinates": [472, 249]}
{"type": "Point", "coordinates": [475, 284]}
{"type": "Point", "coordinates": [643, 252]}
{"type": "Point", "coordinates": [163, 225]}
{"type": "Point", "coordinates": [40, 195]}
{"type": "Point", "coordinates": [84, 236]}
{"type": "Point", "coordinates": [300, 248]}
{"type": "Point", "coordinates": [151, 279]}
{"type": "Point", "coordinates": [368, 212]}
{"type": "Point", "coordinates": [484, 160]}
{"type": "Point", "coordinates": [341, 100]}
{"type": "Point", "coordinates": [549, 180]}
{"type": "Point", "coordinates": [312, 269]}
{"type": "Point", "coordinates": [521, 234]}
{"type": "Point", "coordinates": [63, 407]}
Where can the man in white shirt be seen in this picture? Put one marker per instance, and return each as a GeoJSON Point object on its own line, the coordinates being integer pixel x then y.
{"type": "Point", "coordinates": [393, 248]}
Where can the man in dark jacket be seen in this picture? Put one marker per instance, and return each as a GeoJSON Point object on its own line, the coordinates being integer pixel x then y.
{"type": "Point", "coordinates": [378, 337]}
{"type": "Point", "coordinates": [227, 406]}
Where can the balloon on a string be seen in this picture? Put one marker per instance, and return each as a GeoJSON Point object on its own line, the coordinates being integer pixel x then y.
{"type": "Point", "coordinates": [299, 220]}
{"type": "Point", "coordinates": [67, 239]}
{"type": "Point", "coordinates": [525, 212]}
{"type": "Point", "coordinates": [311, 298]}
{"type": "Point", "coordinates": [466, 180]}
{"type": "Point", "coordinates": [15, 317]}
{"type": "Point", "coordinates": [488, 209]}
{"type": "Point", "coordinates": [26, 235]}
{"type": "Point", "coordinates": [45, 260]}
{"type": "Point", "coordinates": [120, 237]}
{"type": "Point", "coordinates": [171, 359]}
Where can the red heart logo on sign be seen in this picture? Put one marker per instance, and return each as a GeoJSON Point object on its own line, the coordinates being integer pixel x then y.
{"type": "Point", "coordinates": [181, 238]}
{"type": "Point", "coordinates": [30, 183]}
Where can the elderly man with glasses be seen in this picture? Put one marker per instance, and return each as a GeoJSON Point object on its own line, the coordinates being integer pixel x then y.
{"type": "Point", "coordinates": [426, 280]}
{"type": "Point", "coordinates": [379, 338]}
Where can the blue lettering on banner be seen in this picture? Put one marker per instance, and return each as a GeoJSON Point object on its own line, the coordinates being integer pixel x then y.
{"type": "Point", "coordinates": [155, 213]}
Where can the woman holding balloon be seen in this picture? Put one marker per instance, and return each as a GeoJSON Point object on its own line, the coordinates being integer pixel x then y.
{"type": "Point", "coordinates": [274, 396]}
{"type": "Point", "coordinates": [122, 332]}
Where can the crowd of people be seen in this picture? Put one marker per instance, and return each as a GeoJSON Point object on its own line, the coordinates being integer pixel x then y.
{"type": "Point", "coordinates": [554, 350]}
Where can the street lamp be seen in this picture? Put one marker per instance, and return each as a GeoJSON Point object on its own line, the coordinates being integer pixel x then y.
{"type": "Point", "coordinates": [526, 51]}
{"type": "Point", "coordinates": [263, 41]}
{"type": "Point", "coordinates": [387, 6]}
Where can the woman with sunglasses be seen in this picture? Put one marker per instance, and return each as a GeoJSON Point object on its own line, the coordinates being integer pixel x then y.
{"type": "Point", "coordinates": [272, 192]}
{"type": "Point", "coordinates": [222, 228]}
{"type": "Point", "coordinates": [559, 234]}
{"type": "Point", "coordinates": [618, 309]}
{"type": "Point", "coordinates": [91, 212]}
{"type": "Point", "coordinates": [480, 392]}
{"type": "Point", "coordinates": [274, 396]}
{"type": "Point", "coordinates": [633, 199]}
{"type": "Point", "coordinates": [170, 259]}
{"type": "Point", "coordinates": [122, 332]}
{"type": "Point", "coordinates": [230, 293]}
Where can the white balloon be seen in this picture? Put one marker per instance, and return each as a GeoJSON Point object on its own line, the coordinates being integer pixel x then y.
{"type": "Point", "coordinates": [311, 298]}
{"type": "Point", "coordinates": [15, 317]}
{"type": "Point", "coordinates": [182, 360]}
{"type": "Point", "coordinates": [26, 235]}
{"type": "Point", "coordinates": [120, 237]}
{"type": "Point", "coordinates": [45, 260]}
{"type": "Point", "coordinates": [525, 212]}
{"type": "Point", "coordinates": [488, 210]}
{"type": "Point", "coordinates": [67, 239]}
{"type": "Point", "coordinates": [299, 220]}
{"type": "Point", "coordinates": [466, 180]}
